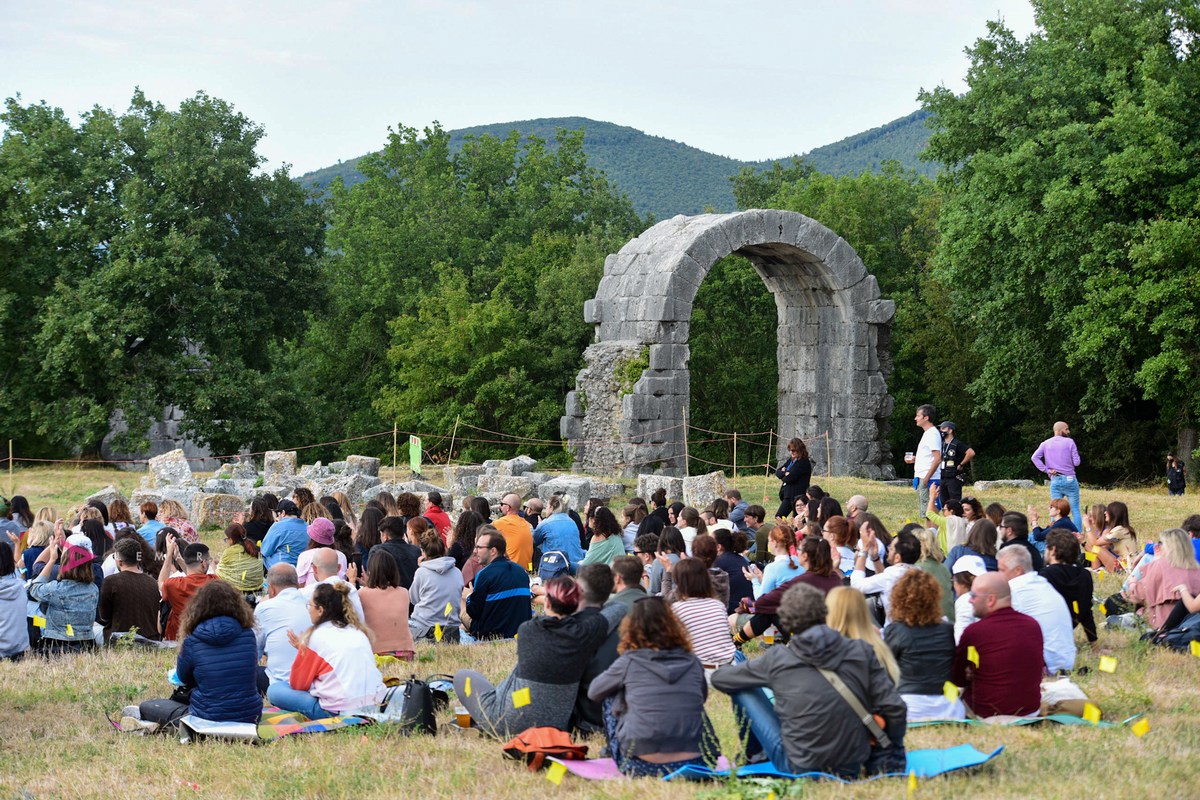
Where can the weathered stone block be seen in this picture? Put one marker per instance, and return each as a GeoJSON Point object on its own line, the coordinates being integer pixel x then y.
{"type": "Point", "coordinates": [171, 469]}
{"type": "Point", "coordinates": [278, 465]}
{"type": "Point", "coordinates": [362, 465]}
{"type": "Point", "coordinates": [108, 495]}
{"type": "Point", "coordinates": [649, 484]}
{"type": "Point", "coordinates": [216, 510]}
{"type": "Point", "coordinates": [221, 486]}
{"type": "Point", "coordinates": [987, 486]}
{"type": "Point", "coordinates": [243, 470]}
{"type": "Point", "coordinates": [516, 466]}
{"type": "Point", "coordinates": [354, 485]}
{"type": "Point", "coordinates": [577, 488]}
{"type": "Point", "coordinates": [491, 465]}
{"type": "Point", "coordinates": [314, 472]}
{"type": "Point", "coordinates": [700, 490]}
{"type": "Point", "coordinates": [505, 484]}
{"type": "Point", "coordinates": [140, 496]}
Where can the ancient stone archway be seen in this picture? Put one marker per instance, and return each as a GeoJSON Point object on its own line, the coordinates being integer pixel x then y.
{"type": "Point", "coordinates": [627, 411]}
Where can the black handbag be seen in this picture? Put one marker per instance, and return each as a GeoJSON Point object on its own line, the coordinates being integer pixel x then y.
{"type": "Point", "coordinates": [413, 705]}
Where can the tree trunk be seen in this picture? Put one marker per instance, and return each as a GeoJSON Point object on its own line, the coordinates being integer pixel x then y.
{"type": "Point", "coordinates": [1185, 444]}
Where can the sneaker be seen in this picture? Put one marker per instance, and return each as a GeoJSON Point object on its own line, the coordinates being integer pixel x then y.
{"type": "Point", "coordinates": [134, 725]}
{"type": "Point", "coordinates": [131, 711]}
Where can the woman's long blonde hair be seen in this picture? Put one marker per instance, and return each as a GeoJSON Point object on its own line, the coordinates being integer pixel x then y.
{"type": "Point", "coordinates": [848, 615]}
{"type": "Point", "coordinates": [347, 508]}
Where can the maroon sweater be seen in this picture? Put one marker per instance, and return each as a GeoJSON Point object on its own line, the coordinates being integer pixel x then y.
{"type": "Point", "coordinates": [1008, 679]}
{"type": "Point", "coordinates": [769, 602]}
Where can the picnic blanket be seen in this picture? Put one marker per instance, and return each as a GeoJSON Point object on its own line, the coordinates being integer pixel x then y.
{"type": "Point", "coordinates": [925, 763]}
{"type": "Point", "coordinates": [1059, 719]}
{"type": "Point", "coordinates": [274, 724]}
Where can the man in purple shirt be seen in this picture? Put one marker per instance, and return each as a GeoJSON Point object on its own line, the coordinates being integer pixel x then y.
{"type": "Point", "coordinates": [1058, 457]}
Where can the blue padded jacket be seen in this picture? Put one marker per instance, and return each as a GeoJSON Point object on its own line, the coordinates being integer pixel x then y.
{"type": "Point", "coordinates": [219, 659]}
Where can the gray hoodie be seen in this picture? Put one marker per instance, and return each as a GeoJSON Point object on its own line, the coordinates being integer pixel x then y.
{"type": "Point", "coordinates": [662, 708]}
{"type": "Point", "coordinates": [820, 731]}
{"type": "Point", "coordinates": [14, 635]}
{"type": "Point", "coordinates": [437, 585]}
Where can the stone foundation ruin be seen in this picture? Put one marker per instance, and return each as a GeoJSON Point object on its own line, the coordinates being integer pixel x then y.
{"type": "Point", "coordinates": [627, 413]}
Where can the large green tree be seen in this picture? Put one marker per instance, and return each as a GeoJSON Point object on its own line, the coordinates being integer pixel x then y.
{"type": "Point", "coordinates": [1071, 224]}
{"type": "Point", "coordinates": [146, 261]}
{"type": "Point", "coordinates": [457, 285]}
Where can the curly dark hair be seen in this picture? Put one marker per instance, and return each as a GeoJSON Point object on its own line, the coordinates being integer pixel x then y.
{"type": "Point", "coordinates": [916, 600]}
{"type": "Point", "coordinates": [651, 625]}
{"type": "Point", "coordinates": [215, 599]}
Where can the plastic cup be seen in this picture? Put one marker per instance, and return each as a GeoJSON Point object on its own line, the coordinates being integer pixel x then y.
{"type": "Point", "coordinates": [769, 636]}
{"type": "Point", "coordinates": [462, 717]}
{"type": "Point", "coordinates": [910, 457]}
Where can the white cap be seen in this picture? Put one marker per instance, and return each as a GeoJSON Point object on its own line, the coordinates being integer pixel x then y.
{"type": "Point", "coordinates": [80, 540]}
{"type": "Point", "coordinates": [971, 564]}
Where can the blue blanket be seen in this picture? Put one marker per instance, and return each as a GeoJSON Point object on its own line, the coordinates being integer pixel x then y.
{"type": "Point", "coordinates": [925, 763]}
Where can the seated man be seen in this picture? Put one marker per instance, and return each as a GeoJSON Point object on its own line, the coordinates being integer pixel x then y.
{"type": "Point", "coordinates": [178, 592]}
{"type": "Point", "coordinates": [500, 600]}
{"type": "Point", "coordinates": [1033, 596]}
{"type": "Point", "coordinates": [285, 611]}
{"type": "Point", "coordinates": [737, 509]}
{"type": "Point", "coordinates": [905, 551]}
{"type": "Point", "coordinates": [1014, 530]}
{"type": "Point", "coordinates": [393, 533]}
{"type": "Point", "coordinates": [999, 658]}
{"type": "Point", "coordinates": [856, 506]}
{"type": "Point", "coordinates": [325, 570]}
{"type": "Point", "coordinates": [811, 726]}
{"type": "Point", "coordinates": [596, 585]}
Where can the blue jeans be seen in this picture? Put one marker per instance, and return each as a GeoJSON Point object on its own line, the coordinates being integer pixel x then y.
{"type": "Point", "coordinates": [1067, 486]}
{"type": "Point", "coordinates": [758, 726]}
{"type": "Point", "coordinates": [289, 699]}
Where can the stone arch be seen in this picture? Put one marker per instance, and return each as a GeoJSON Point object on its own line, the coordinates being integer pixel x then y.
{"type": "Point", "coordinates": [627, 411]}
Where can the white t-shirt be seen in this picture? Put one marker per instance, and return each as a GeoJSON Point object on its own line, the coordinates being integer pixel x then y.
{"type": "Point", "coordinates": [931, 442]}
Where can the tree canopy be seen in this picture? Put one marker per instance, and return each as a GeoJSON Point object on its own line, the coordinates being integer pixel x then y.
{"type": "Point", "coordinates": [147, 261]}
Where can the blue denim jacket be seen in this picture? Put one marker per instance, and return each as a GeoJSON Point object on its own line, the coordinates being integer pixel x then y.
{"type": "Point", "coordinates": [66, 603]}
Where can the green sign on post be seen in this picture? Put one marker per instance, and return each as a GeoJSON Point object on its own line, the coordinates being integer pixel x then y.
{"type": "Point", "coordinates": [414, 454]}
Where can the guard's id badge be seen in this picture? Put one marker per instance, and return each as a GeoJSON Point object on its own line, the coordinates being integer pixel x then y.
{"type": "Point", "coordinates": [950, 463]}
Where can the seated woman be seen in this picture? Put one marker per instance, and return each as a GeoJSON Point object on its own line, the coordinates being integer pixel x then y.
{"type": "Point", "coordinates": [981, 542]}
{"type": "Point", "coordinates": [670, 544]}
{"type": "Point", "coordinates": [557, 532]}
{"type": "Point", "coordinates": [849, 616]}
{"type": "Point", "coordinates": [14, 635]}
{"type": "Point", "coordinates": [334, 671]}
{"type": "Point", "coordinates": [240, 565]}
{"type": "Point", "coordinates": [965, 570]}
{"type": "Point", "coordinates": [836, 531]}
{"type": "Point", "coordinates": [1069, 579]}
{"type": "Point", "coordinates": [704, 548]}
{"type": "Point", "coordinates": [932, 561]}
{"type": "Point", "coordinates": [1174, 567]}
{"type": "Point", "coordinates": [320, 534]}
{"type": "Point", "coordinates": [69, 601]}
{"type": "Point", "coordinates": [172, 514]}
{"type": "Point", "coordinates": [782, 568]}
{"type": "Point", "coordinates": [217, 661]}
{"type": "Point", "coordinates": [951, 526]}
{"type": "Point", "coordinates": [606, 543]}
{"type": "Point", "coordinates": [704, 617]}
{"type": "Point", "coordinates": [436, 591]}
{"type": "Point", "coordinates": [815, 557]}
{"type": "Point", "coordinates": [1060, 519]}
{"type": "Point", "coordinates": [653, 694]}
{"type": "Point", "coordinates": [553, 650]}
{"type": "Point", "coordinates": [1118, 542]}
{"type": "Point", "coordinates": [923, 644]}
{"type": "Point", "coordinates": [385, 604]}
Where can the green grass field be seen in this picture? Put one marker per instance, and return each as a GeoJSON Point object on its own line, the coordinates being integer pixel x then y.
{"type": "Point", "coordinates": [58, 743]}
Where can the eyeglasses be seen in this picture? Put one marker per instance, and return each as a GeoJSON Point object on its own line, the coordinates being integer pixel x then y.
{"type": "Point", "coordinates": [482, 547]}
{"type": "Point", "coordinates": [505, 505]}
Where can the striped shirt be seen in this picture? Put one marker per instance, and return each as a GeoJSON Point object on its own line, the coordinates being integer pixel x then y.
{"type": "Point", "coordinates": [707, 625]}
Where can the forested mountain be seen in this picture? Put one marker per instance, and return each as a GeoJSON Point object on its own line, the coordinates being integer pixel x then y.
{"type": "Point", "coordinates": [667, 177]}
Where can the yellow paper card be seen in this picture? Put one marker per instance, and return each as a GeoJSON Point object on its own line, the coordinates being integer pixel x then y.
{"type": "Point", "coordinates": [437, 633]}
{"type": "Point", "coordinates": [1091, 714]}
{"type": "Point", "coordinates": [1090, 556]}
{"type": "Point", "coordinates": [1195, 648]}
{"type": "Point", "coordinates": [555, 773]}
{"type": "Point", "coordinates": [70, 630]}
{"type": "Point", "coordinates": [912, 784]}
{"type": "Point", "coordinates": [530, 567]}
{"type": "Point", "coordinates": [1103, 609]}
{"type": "Point", "coordinates": [1141, 727]}
{"type": "Point", "coordinates": [521, 697]}
{"type": "Point", "coordinates": [1075, 605]}
{"type": "Point", "coordinates": [40, 622]}
{"type": "Point", "coordinates": [449, 609]}
{"type": "Point", "coordinates": [972, 655]}
{"type": "Point", "coordinates": [1108, 664]}
{"type": "Point", "coordinates": [467, 688]}
{"type": "Point", "coordinates": [950, 690]}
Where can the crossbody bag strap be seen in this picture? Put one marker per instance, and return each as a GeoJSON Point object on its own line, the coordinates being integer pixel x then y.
{"type": "Point", "coordinates": [867, 718]}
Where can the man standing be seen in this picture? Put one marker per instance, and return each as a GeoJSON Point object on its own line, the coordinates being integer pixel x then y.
{"type": "Point", "coordinates": [956, 454]}
{"type": "Point", "coordinates": [516, 532]}
{"type": "Point", "coordinates": [285, 610]}
{"type": "Point", "coordinates": [928, 456]}
{"type": "Point", "coordinates": [1033, 596]}
{"type": "Point", "coordinates": [1058, 457]}
{"type": "Point", "coordinates": [999, 658]}
{"type": "Point", "coordinates": [501, 599]}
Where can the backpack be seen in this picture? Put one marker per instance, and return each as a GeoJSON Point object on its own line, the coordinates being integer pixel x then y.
{"type": "Point", "coordinates": [554, 564]}
{"type": "Point", "coordinates": [411, 703]}
{"type": "Point", "coordinates": [1182, 635]}
{"type": "Point", "coordinates": [534, 744]}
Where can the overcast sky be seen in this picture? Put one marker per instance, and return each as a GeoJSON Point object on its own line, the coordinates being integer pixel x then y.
{"type": "Point", "coordinates": [741, 78]}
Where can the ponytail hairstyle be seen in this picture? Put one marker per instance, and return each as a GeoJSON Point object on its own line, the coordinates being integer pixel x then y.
{"type": "Point", "coordinates": [784, 535]}
{"type": "Point", "coordinates": [237, 535]}
{"type": "Point", "coordinates": [333, 602]}
{"type": "Point", "coordinates": [430, 541]}
{"type": "Point", "coordinates": [558, 504]}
